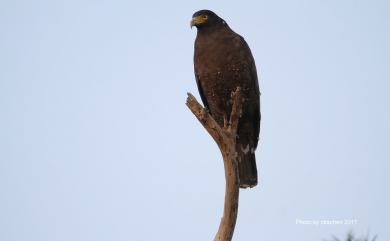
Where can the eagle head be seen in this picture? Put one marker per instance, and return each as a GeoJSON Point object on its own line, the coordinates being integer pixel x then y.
{"type": "Point", "coordinates": [205, 18]}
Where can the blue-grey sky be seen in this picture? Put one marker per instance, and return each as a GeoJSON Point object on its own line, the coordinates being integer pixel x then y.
{"type": "Point", "coordinates": [97, 144]}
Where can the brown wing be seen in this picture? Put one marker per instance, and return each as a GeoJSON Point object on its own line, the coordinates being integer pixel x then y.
{"type": "Point", "coordinates": [250, 121]}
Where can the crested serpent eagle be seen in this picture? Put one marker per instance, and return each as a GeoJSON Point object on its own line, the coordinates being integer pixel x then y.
{"type": "Point", "coordinates": [223, 62]}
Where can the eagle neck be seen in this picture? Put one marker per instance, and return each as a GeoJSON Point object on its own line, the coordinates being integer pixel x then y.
{"type": "Point", "coordinates": [212, 29]}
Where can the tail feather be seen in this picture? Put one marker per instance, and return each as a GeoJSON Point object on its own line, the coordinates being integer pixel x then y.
{"type": "Point", "coordinates": [247, 169]}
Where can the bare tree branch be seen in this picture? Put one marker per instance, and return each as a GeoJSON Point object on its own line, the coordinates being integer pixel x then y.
{"type": "Point", "coordinates": [225, 137]}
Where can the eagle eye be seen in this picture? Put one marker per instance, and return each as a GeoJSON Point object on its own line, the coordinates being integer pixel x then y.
{"type": "Point", "coordinates": [205, 17]}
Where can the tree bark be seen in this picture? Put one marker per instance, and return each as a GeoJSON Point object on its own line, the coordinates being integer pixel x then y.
{"type": "Point", "coordinates": [225, 137]}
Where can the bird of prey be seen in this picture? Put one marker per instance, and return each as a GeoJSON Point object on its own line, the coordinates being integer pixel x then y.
{"type": "Point", "coordinates": [223, 62]}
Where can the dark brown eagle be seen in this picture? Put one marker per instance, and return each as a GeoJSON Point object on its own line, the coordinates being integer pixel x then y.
{"type": "Point", "coordinates": [223, 62]}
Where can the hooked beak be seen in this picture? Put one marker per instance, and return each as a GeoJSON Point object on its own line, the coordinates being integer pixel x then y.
{"type": "Point", "coordinates": [195, 21]}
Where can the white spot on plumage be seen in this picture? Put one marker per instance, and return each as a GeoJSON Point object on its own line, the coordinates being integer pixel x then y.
{"type": "Point", "coordinates": [246, 149]}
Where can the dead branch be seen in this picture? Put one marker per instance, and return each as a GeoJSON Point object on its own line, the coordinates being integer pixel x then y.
{"type": "Point", "coordinates": [225, 137]}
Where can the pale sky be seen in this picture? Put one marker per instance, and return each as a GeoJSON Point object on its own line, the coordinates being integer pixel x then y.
{"type": "Point", "coordinates": [96, 143]}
